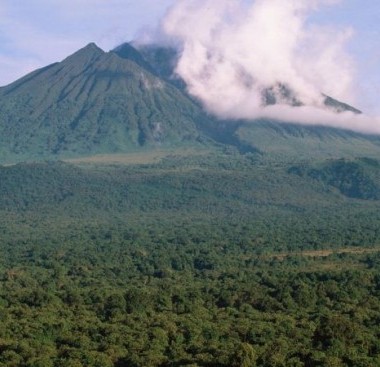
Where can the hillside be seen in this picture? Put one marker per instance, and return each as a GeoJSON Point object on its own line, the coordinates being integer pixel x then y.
{"type": "Point", "coordinates": [295, 142]}
{"type": "Point", "coordinates": [285, 202]}
{"type": "Point", "coordinates": [127, 100]}
{"type": "Point", "coordinates": [92, 102]}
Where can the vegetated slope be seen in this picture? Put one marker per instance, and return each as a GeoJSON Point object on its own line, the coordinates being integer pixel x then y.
{"type": "Point", "coordinates": [194, 260]}
{"type": "Point", "coordinates": [358, 178]}
{"type": "Point", "coordinates": [301, 142]}
{"type": "Point", "coordinates": [233, 196]}
{"type": "Point", "coordinates": [127, 100]}
{"type": "Point", "coordinates": [162, 60]}
{"type": "Point", "coordinates": [93, 102]}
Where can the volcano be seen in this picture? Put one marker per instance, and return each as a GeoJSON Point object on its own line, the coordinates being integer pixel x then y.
{"type": "Point", "coordinates": [129, 99]}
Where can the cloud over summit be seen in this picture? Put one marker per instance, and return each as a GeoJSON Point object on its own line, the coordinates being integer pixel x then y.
{"type": "Point", "coordinates": [232, 51]}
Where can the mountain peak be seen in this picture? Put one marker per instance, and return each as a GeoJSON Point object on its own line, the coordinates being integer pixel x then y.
{"type": "Point", "coordinates": [93, 102]}
{"type": "Point", "coordinates": [91, 48]}
{"type": "Point", "coordinates": [282, 94]}
{"type": "Point", "coordinates": [338, 106]}
{"type": "Point", "coordinates": [88, 52]}
{"type": "Point", "coordinates": [84, 56]}
{"type": "Point", "coordinates": [97, 102]}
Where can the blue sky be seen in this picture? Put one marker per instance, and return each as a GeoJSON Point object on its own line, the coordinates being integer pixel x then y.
{"type": "Point", "coordinates": [364, 18]}
{"type": "Point", "coordinates": [34, 33]}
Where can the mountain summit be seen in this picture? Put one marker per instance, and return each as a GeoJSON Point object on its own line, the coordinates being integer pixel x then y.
{"type": "Point", "coordinates": [93, 102]}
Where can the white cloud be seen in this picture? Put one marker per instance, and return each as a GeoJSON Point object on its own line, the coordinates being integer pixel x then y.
{"type": "Point", "coordinates": [233, 50]}
{"type": "Point", "coordinates": [310, 115]}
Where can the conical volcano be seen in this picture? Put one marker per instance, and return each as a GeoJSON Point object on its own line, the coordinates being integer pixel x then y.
{"type": "Point", "coordinates": [93, 102]}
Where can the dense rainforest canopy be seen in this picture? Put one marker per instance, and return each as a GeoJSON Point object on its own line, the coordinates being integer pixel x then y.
{"type": "Point", "coordinates": [195, 260]}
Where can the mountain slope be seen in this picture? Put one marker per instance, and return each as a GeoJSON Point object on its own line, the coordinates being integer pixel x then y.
{"type": "Point", "coordinates": [93, 102]}
{"type": "Point", "coordinates": [97, 102]}
{"type": "Point", "coordinates": [293, 141]}
{"type": "Point", "coordinates": [160, 59]}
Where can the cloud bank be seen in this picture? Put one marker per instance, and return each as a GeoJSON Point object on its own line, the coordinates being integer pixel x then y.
{"type": "Point", "coordinates": [233, 51]}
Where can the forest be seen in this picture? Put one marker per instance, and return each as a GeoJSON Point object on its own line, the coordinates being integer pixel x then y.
{"type": "Point", "coordinates": [198, 260]}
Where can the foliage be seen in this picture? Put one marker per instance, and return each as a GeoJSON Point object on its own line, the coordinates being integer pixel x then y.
{"type": "Point", "coordinates": [197, 261]}
{"type": "Point", "coordinates": [358, 178]}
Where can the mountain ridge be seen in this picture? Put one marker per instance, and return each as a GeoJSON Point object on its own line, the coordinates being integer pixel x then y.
{"type": "Point", "coordinates": [71, 102]}
{"type": "Point", "coordinates": [97, 102]}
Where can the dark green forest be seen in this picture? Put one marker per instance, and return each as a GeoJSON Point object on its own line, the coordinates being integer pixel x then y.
{"type": "Point", "coordinates": [206, 260]}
